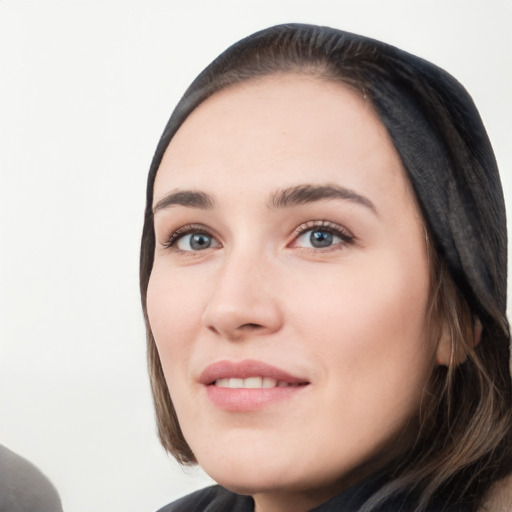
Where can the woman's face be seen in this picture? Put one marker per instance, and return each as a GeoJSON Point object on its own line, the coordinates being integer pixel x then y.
{"type": "Point", "coordinates": [290, 287]}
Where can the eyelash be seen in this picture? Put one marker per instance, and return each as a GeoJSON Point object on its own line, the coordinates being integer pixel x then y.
{"type": "Point", "coordinates": [326, 226]}
{"type": "Point", "coordinates": [323, 225]}
{"type": "Point", "coordinates": [186, 230]}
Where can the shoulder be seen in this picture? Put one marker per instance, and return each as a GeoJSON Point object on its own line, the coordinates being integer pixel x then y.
{"type": "Point", "coordinates": [211, 499]}
{"type": "Point", "coordinates": [23, 485]}
{"type": "Point", "coordinates": [499, 498]}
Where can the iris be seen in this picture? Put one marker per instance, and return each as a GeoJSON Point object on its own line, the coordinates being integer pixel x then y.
{"type": "Point", "coordinates": [199, 241]}
{"type": "Point", "coordinates": [320, 239]}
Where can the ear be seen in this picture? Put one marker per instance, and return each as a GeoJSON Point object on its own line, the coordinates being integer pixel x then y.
{"type": "Point", "coordinates": [447, 351]}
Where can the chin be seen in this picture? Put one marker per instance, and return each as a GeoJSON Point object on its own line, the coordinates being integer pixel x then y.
{"type": "Point", "coordinates": [261, 482]}
{"type": "Point", "coordinates": [255, 472]}
{"type": "Point", "coordinates": [248, 473]}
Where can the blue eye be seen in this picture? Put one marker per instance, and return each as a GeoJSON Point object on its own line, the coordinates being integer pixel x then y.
{"type": "Point", "coordinates": [196, 242]}
{"type": "Point", "coordinates": [321, 237]}
{"type": "Point", "coordinates": [192, 238]}
{"type": "Point", "coordinates": [317, 239]}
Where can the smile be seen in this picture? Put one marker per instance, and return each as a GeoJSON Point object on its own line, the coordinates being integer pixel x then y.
{"type": "Point", "coordinates": [252, 383]}
{"type": "Point", "coordinates": [248, 385]}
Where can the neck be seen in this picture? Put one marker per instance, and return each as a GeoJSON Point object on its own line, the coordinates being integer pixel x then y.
{"type": "Point", "coordinates": [304, 500]}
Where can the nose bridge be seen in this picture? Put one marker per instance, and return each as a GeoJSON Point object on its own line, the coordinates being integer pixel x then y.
{"type": "Point", "coordinates": [242, 300]}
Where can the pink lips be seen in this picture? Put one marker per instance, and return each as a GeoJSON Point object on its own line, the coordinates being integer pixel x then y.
{"type": "Point", "coordinates": [243, 398]}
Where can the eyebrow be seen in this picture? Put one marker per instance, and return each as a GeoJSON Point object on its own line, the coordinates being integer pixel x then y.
{"type": "Point", "coordinates": [189, 198]}
{"type": "Point", "coordinates": [304, 194]}
{"type": "Point", "coordinates": [284, 198]}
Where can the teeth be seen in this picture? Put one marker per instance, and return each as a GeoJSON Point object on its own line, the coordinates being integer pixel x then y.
{"type": "Point", "coordinates": [236, 383]}
{"type": "Point", "coordinates": [269, 382]}
{"type": "Point", "coordinates": [251, 383]}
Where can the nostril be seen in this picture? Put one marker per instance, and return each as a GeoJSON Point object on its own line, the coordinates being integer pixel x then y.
{"type": "Point", "coordinates": [238, 331]}
{"type": "Point", "coordinates": [251, 327]}
{"type": "Point", "coordinates": [213, 329]}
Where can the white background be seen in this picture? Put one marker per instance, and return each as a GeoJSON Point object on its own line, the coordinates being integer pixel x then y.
{"type": "Point", "coordinates": [85, 90]}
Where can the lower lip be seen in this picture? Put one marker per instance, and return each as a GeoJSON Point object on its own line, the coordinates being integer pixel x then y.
{"type": "Point", "coordinates": [249, 399]}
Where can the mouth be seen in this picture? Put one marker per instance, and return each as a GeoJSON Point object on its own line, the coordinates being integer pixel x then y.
{"type": "Point", "coordinates": [248, 385]}
{"type": "Point", "coordinates": [254, 383]}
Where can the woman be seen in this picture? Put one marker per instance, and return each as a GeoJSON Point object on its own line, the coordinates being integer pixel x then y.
{"type": "Point", "coordinates": [323, 277]}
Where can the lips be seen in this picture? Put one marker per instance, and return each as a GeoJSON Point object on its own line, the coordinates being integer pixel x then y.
{"type": "Point", "coordinates": [248, 385]}
{"type": "Point", "coordinates": [245, 370]}
{"type": "Point", "coordinates": [251, 383]}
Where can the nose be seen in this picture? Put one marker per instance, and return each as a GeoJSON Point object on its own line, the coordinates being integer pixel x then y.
{"type": "Point", "coordinates": [244, 301]}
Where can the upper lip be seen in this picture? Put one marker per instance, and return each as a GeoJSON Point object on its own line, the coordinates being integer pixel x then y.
{"type": "Point", "coordinates": [245, 369]}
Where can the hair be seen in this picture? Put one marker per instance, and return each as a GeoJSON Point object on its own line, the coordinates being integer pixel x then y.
{"type": "Point", "coordinates": [463, 445]}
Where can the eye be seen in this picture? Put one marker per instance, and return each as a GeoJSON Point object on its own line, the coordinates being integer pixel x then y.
{"type": "Point", "coordinates": [323, 236]}
{"type": "Point", "coordinates": [192, 239]}
{"type": "Point", "coordinates": [195, 242]}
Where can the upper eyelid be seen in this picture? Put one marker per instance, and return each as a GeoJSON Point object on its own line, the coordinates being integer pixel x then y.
{"type": "Point", "coordinates": [346, 236]}
{"type": "Point", "coordinates": [187, 229]}
{"type": "Point", "coordinates": [322, 224]}
{"type": "Point", "coordinates": [177, 234]}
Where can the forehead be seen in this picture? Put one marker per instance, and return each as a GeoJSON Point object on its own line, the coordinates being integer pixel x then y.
{"type": "Point", "coordinates": [288, 127]}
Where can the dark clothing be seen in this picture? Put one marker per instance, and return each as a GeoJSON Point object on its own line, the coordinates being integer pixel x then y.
{"type": "Point", "coordinates": [23, 488]}
{"type": "Point", "coordinates": [218, 499]}
{"type": "Point", "coordinates": [211, 499]}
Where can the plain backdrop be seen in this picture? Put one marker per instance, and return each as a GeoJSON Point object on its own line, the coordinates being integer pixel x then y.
{"type": "Point", "coordinates": [85, 90]}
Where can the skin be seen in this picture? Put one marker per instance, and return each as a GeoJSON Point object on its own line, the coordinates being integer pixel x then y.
{"type": "Point", "coordinates": [349, 317]}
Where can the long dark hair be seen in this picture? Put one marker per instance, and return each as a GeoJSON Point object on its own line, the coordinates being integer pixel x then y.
{"type": "Point", "coordinates": [464, 440]}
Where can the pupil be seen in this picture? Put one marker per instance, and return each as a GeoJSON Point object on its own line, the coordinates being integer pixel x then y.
{"type": "Point", "coordinates": [200, 241]}
{"type": "Point", "coordinates": [321, 239]}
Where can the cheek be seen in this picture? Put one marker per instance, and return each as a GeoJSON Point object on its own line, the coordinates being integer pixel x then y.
{"type": "Point", "coordinates": [370, 320]}
{"type": "Point", "coordinates": [173, 307]}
